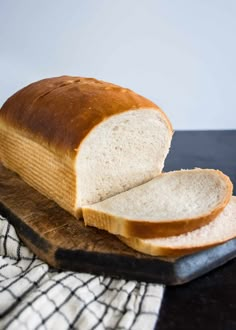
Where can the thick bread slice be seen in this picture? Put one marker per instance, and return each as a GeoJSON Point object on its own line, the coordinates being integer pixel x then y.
{"type": "Point", "coordinates": [80, 140]}
{"type": "Point", "coordinates": [220, 230]}
{"type": "Point", "coordinates": [173, 203]}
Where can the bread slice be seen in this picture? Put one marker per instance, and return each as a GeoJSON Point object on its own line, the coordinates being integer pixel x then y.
{"type": "Point", "coordinates": [173, 203]}
{"type": "Point", "coordinates": [80, 140]}
{"type": "Point", "coordinates": [220, 230]}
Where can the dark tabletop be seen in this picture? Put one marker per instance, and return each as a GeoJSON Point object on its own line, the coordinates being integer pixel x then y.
{"type": "Point", "coordinates": [210, 301]}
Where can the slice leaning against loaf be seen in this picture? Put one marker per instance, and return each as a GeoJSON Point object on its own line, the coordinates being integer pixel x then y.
{"type": "Point", "coordinates": [220, 230]}
{"type": "Point", "coordinates": [81, 140]}
{"type": "Point", "coordinates": [173, 203]}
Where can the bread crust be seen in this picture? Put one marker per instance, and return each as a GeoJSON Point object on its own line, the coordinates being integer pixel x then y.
{"type": "Point", "coordinates": [161, 251]}
{"type": "Point", "coordinates": [150, 229]}
{"type": "Point", "coordinates": [170, 251]}
{"type": "Point", "coordinates": [59, 112]}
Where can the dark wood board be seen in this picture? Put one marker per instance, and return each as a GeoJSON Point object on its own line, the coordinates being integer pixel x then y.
{"type": "Point", "coordinates": [65, 243]}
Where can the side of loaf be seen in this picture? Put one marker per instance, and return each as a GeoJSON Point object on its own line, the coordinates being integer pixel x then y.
{"type": "Point", "coordinates": [80, 140]}
{"type": "Point", "coordinates": [220, 230]}
{"type": "Point", "coordinates": [170, 204]}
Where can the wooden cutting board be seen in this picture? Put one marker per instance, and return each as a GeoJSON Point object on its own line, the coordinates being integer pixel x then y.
{"type": "Point", "coordinates": [64, 242]}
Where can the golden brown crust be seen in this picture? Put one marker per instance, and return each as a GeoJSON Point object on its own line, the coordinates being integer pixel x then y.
{"type": "Point", "coordinates": [146, 246]}
{"type": "Point", "coordinates": [164, 251]}
{"type": "Point", "coordinates": [42, 169]}
{"type": "Point", "coordinates": [61, 111]}
{"type": "Point", "coordinates": [144, 228]}
{"type": "Point", "coordinates": [150, 229]}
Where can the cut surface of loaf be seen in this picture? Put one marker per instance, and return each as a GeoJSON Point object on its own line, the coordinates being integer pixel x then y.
{"type": "Point", "coordinates": [80, 140]}
{"type": "Point", "coordinates": [170, 204]}
{"type": "Point", "coordinates": [220, 230]}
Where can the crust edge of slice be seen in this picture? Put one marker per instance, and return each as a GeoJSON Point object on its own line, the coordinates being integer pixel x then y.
{"type": "Point", "coordinates": [146, 247]}
{"type": "Point", "coordinates": [150, 229]}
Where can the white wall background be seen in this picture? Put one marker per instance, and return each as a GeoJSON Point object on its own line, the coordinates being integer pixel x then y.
{"type": "Point", "coordinates": [179, 53]}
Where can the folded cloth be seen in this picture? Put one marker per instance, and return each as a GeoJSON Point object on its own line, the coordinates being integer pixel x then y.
{"type": "Point", "coordinates": [36, 296]}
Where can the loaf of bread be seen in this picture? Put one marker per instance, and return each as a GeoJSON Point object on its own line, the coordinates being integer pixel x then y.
{"type": "Point", "coordinates": [218, 231]}
{"type": "Point", "coordinates": [79, 140]}
{"type": "Point", "coordinates": [170, 204]}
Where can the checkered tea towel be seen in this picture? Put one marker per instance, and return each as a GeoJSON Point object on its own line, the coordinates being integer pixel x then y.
{"type": "Point", "coordinates": [35, 296]}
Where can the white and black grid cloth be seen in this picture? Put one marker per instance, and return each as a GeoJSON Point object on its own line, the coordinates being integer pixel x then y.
{"type": "Point", "coordinates": [35, 296]}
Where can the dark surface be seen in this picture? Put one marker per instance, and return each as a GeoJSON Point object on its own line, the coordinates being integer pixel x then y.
{"type": "Point", "coordinates": [146, 268]}
{"type": "Point", "coordinates": [65, 243]}
{"type": "Point", "coordinates": [210, 301]}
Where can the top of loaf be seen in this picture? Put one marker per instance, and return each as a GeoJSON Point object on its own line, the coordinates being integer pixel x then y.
{"type": "Point", "coordinates": [61, 111]}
